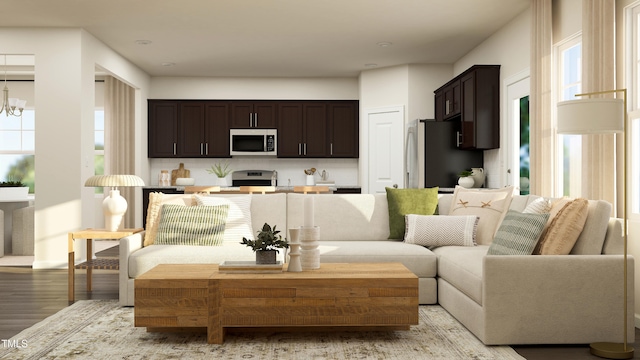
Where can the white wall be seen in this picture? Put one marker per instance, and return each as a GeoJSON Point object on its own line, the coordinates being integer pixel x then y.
{"type": "Point", "coordinates": [254, 88]}
{"type": "Point", "coordinates": [510, 48]}
{"type": "Point", "coordinates": [64, 129]}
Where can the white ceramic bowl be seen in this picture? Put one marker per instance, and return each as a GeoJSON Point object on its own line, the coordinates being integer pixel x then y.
{"type": "Point", "coordinates": [185, 181]}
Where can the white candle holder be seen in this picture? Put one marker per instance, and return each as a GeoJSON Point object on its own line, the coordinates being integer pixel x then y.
{"type": "Point", "coordinates": [310, 256]}
{"type": "Point", "coordinates": [294, 254]}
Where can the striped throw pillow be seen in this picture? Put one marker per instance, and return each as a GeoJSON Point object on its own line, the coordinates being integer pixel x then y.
{"type": "Point", "coordinates": [518, 234]}
{"type": "Point", "coordinates": [191, 225]}
{"type": "Point", "coordinates": [441, 230]}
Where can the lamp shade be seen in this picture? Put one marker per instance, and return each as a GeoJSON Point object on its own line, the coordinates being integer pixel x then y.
{"type": "Point", "coordinates": [591, 116]}
{"type": "Point", "coordinates": [114, 181]}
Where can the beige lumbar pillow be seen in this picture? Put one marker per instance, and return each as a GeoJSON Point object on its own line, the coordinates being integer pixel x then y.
{"type": "Point", "coordinates": [565, 227]}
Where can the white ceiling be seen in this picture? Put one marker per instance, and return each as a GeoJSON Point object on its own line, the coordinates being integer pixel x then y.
{"type": "Point", "coordinates": [274, 38]}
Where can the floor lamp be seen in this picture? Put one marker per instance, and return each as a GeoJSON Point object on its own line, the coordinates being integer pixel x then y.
{"type": "Point", "coordinates": [114, 206]}
{"type": "Point", "coordinates": [602, 116]}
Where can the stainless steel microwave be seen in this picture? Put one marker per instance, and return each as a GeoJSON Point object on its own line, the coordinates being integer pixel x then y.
{"type": "Point", "coordinates": [253, 142]}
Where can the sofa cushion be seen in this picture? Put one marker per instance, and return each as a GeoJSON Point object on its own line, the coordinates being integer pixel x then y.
{"type": "Point", "coordinates": [489, 205]}
{"type": "Point", "coordinates": [518, 234]}
{"type": "Point", "coordinates": [441, 230]}
{"type": "Point", "coordinates": [238, 224]}
{"type": "Point", "coordinates": [419, 260]}
{"type": "Point", "coordinates": [148, 257]}
{"type": "Point", "coordinates": [352, 217]}
{"type": "Point", "coordinates": [565, 228]}
{"type": "Point", "coordinates": [191, 225]}
{"type": "Point", "coordinates": [591, 239]}
{"type": "Point", "coordinates": [461, 266]}
{"type": "Point", "coordinates": [408, 201]}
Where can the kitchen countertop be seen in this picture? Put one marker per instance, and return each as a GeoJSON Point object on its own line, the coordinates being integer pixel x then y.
{"type": "Point", "coordinates": [233, 189]}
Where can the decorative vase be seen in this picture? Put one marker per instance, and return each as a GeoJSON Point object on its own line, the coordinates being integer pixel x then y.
{"type": "Point", "coordinates": [466, 182]}
{"type": "Point", "coordinates": [478, 176]}
{"type": "Point", "coordinates": [310, 254]}
{"type": "Point", "coordinates": [294, 255]}
{"type": "Point", "coordinates": [310, 180]}
{"type": "Point", "coordinates": [265, 257]}
{"type": "Point", "coordinates": [222, 181]}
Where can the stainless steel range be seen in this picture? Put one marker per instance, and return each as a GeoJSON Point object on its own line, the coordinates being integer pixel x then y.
{"type": "Point", "coordinates": [254, 178]}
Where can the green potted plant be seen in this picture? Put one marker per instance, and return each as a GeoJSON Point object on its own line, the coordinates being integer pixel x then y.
{"type": "Point", "coordinates": [266, 245]}
{"type": "Point", "coordinates": [465, 179]}
{"type": "Point", "coordinates": [13, 190]}
{"type": "Point", "coordinates": [221, 171]}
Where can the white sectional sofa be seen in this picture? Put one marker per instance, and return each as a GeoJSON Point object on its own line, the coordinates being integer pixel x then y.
{"type": "Point", "coordinates": [502, 299]}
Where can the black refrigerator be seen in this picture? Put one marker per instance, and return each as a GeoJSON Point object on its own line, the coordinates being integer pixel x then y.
{"type": "Point", "coordinates": [443, 160]}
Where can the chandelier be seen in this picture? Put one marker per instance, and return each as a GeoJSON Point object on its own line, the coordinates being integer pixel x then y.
{"type": "Point", "coordinates": [10, 106]}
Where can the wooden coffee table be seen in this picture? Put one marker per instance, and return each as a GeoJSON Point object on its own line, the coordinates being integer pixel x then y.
{"type": "Point", "coordinates": [174, 297]}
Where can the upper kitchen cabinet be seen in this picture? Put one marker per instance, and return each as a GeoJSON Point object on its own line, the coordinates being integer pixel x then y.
{"type": "Point", "coordinates": [188, 129]}
{"type": "Point", "coordinates": [343, 129]}
{"type": "Point", "coordinates": [473, 98]}
{"type": "Point", "coordinates": [163, 129]}
{"type": "Point", "coordinates": [253, 114]}
{"type": "Point", "coordinates": [302, 129]}
{"type": "Point", "coordinates": [448, 102]}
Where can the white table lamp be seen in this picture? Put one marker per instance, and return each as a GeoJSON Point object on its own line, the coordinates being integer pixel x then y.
{"type": "Point", "coordinates": [114, 206]}
{"type": "Point", "coordinates": [603, 116]}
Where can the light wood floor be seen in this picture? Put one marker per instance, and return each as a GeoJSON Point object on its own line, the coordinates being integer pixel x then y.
{"type": "Point", "coordinates": [28, 296]}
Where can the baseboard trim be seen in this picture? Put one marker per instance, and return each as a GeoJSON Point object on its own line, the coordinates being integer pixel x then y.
{"type": "Point", "coordinates": [50, 265]}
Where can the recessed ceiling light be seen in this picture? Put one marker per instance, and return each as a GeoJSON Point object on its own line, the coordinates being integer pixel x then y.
{"type": "Point", "coordinates": [168, 64]}
{"type": "Point", "coordinates": [370, 65]}
{"type": "Point", "coordinates": [384, 44]}
{"type": "Point", "coordinates": [143, 42]}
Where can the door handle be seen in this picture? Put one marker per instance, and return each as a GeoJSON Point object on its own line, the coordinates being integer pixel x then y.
{"type": "Point", "coordinates": [256, 119]}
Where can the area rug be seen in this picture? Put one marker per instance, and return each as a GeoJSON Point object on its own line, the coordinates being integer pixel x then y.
{"type": "Point", "coordinates": [101, 329]}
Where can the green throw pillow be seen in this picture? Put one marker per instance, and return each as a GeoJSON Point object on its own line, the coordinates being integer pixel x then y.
{"type": "Point", "coordinates": [518, 234]}
{"type": "Point", "coordinates": [409, 201]}
{"type": "Point", "coordinates": [191, 225]}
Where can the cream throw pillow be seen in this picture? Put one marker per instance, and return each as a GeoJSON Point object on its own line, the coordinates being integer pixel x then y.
{"type": "Point", "coordinates": [153, 217]}
{"type": "Point", "coordinates": [561, 234]}
{"type": "Point", "coordinates": [489, 205]}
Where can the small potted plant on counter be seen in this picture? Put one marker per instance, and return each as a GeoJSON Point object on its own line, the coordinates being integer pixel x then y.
{"type": "Point", "coordinates": [221, 171]}
{"type": "Point", "coordinates": [267, 244]}
{"type": "Point", "coordinates": [13, 190]}
{"type": "Point", "coordinates": [465, 179]}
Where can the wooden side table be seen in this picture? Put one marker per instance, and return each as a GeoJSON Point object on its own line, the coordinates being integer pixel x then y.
{"type": "Point", "coordinates": [90, 264]}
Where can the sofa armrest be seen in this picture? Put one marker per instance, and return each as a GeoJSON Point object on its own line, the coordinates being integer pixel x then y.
{"type": "Point", "coordinates": [562, 290]}
{"type": "Point", "coordinates": [128, 245]}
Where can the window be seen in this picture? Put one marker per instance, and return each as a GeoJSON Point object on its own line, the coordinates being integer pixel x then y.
{"type": "Point", "coordinates": [17, 148]}
{"type": "Point", "coordinates": [569, 70]}
{"type": "Point", "coordinates": [633, 97]}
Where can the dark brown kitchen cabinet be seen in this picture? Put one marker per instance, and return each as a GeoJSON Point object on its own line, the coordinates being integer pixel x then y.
{"type": "Point", "coordinates": [448, 102]}
{"type": "Point", "coordinates": [302, 129]}
{"type": "Point", "coordinates": [188, 129]}
{"type": "Point", "coordinates": [163, 129]}
{"type": "Point", "coordinates": [477, 93]}
{"type": "Point", "coordinates": [253, 114]}
{"type": "Point", "coordinates": [343, 129]}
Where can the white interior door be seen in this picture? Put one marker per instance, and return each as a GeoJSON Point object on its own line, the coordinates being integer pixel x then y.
{"type": "Point", "coordinates": [386, 148]}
